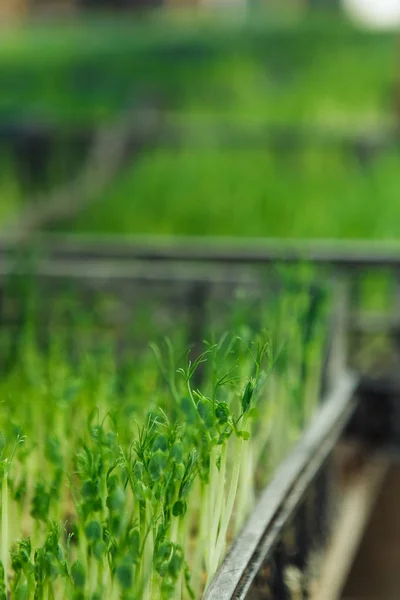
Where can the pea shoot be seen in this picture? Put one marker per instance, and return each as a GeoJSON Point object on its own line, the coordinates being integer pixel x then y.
{"type": "Point", "coordinates": [112, 488]}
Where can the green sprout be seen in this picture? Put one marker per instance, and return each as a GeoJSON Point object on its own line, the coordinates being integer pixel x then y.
{"type": "Point", "coordinates": [125, 481]}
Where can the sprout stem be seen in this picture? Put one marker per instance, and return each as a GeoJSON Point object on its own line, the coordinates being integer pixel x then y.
{"type": "Point", "coordinates": [4, 526]}
{"type": "Point", "coordinates": [221, 539]}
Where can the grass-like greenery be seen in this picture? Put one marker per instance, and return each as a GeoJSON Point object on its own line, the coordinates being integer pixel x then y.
{"type": "Point", "coordinates": [313, 193]}
{"type": "Point", "coordinates": [131, 482]}
{"type": "Point", "coordinates": [318, 70]}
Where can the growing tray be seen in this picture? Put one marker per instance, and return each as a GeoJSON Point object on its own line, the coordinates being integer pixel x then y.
{"type": "Point", "coordinates": [294, 519]}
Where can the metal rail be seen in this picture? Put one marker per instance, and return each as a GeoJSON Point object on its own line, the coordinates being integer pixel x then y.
{"type": "Point", "coordinates": [259, 538]}
{"type": "Point", "coordinates": [346, 254]}
{"type": "Point", "coordinates": [206, 132]}
{"type": "Point", "coordinates": [115, 261]}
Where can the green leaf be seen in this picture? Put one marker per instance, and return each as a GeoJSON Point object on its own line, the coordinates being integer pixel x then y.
{"type": "Point", "coordinates": [134, 545]}
{"type": "Point", "coordinates": [179, 472]}
{"type": "Point", "coordinates": [163, 552]}
{"type": "Point", "coordinates": [140, 490]}
{"type": "Point", "coordinates": [2, 583]}
{"type": "Point", "coordinates": [247, 395]}
{"type": "Point", "coordinates": [124, 573]}
{"type": "Point", "coordinates": [222, 438]}
{"type": "Point", "coordinates": [206, 412]}
{"type": "Point", "coordinates": [179, 508]}
{"type": "Point", "coordinates": [177, 452]}
{"type": "Point", "coordinates": [115, 524]}
{"type": "Point", "coordinates": [175, 564]}
{"type": "Point", "coordinates": [90, 489]}
{"type": "Point", "coordinates": [116, 500]}
{"type": "Point", "coordinates": [138, 470]}
{"type": "Point", "coordinates": [99, 548]}
{"type": "Point", "coordinates": [222, 412]}
{"type": "Point", "coordinates": [93, 531]}
{"type": "Point", "coordinates": [40, 503]}
{"type": "Point", "coordinates": [78, 574]}
{"type": "Point", "coordinates": [21, 490]}
{"type": "Point", "coordinates": [160, 443]}
{"type": "Point", "coordinates": [112, 483]}
{"type": "Point", "coordinates": [189, 411]}
{"type": "Point", "coordinates": [157, 464]}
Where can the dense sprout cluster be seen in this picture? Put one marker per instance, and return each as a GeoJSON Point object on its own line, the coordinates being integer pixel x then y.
{"type": "Point", "coordinates": [131, 483]}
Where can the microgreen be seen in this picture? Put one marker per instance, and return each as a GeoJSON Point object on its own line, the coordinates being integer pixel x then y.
{"type": "Point", "coordinates": [118, 492]}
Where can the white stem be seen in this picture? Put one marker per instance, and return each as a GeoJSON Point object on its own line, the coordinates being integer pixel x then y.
{"type": "Point", "coordinates": [218, 482]}
{"type": "Point", "coordinates": [246, 494]}
{"type": "Point", "coordinates": [221, 540]}
{"type": "Point", "coordinates": [147, 562]}
{"type": "Point", "coordinates": [94, 572]}
{"type": "Point", "coordinates": [201, 541]}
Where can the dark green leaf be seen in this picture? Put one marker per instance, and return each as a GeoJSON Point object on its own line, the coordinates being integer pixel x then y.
{"type": "Point", "coordinates": [247, 395]}
{"type": "Point", "coordinates": [179, 508]}
{"type": "Point", "coordinates": [222, 412]}
{"type": "Point", "coordinates": [160, 443]}
{"type": "Point", "coordinates": [124, 573]}
{"type": "Point", "coordinates": [78, 574]}
{"type": "Point", "coordinates": [93, 531]}
{"type": "Point", "coordinates": [177, 452]}
{"type": "Point", "coordinates": [157, 464]}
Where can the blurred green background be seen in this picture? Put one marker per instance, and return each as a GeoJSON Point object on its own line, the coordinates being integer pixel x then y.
{"type": "Point", "coordinates": [273, 124]}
